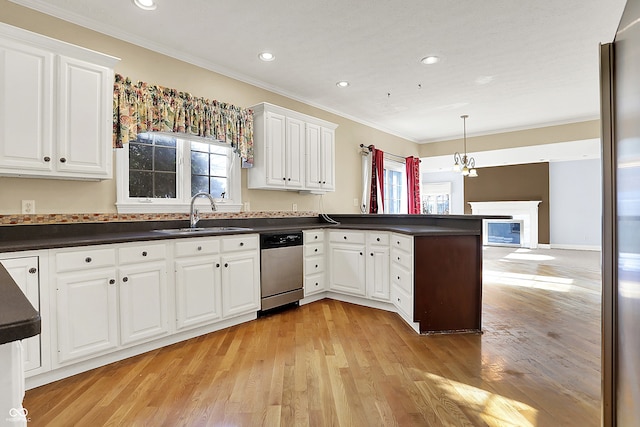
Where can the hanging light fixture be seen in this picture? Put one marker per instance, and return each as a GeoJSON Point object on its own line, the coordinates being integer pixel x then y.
{"type": "Point", "coordinates": [464, 163]}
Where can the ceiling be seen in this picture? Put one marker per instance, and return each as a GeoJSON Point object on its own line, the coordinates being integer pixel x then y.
{"type": "Point", "coordinates": [508, 64]}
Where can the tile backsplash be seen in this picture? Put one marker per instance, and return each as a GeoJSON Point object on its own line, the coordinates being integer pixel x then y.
{"type": "Point", "coordinates": [17, 219]}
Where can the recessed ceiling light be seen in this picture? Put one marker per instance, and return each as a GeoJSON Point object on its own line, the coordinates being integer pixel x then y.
{"type": "Point", "coordinates": [145, 4]}
{"type": "Point", "coordinates": [428, 60]}
{"type": "Point", "coordinates": [267, 56]}
{"type": "Point", "coordinates": [342, 83]}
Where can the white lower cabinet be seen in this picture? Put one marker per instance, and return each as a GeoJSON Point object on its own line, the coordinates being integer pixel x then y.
{"type": "Point", "coordinates": [143, 302]}
{"type": "Point", "coordinates": [377, 265]}
{"type": "Point", "coordinates": [25, 272]}
{"type": "Point", "coordinates": [198, 282]}
{"type": "Point", "coordinates": [347, 262]}
{"type": "Point", "coordinates": [103, 304]}
{"type": "Point", "coordinates": [359, 263]}
{"type": "Point", "coordinates": [240, 283]}
{"type": "Point", "coordinates": [402, 274]}
{"type": "Point", "coordinates": [314, 262]}
{"type": "Point", "coordinates": [86, 313]}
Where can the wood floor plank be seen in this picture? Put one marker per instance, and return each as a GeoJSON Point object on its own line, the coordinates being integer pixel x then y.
{"type": "Point", "coordinates": [332, 363]}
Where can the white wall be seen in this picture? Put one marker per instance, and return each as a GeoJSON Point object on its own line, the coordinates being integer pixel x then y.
{"type": "Point", "coordinates": [457, 187]}
{"type": "Point", "coordinates": [575, 201]}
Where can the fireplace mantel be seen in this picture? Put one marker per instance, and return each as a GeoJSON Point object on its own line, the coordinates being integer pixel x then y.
{"type": "Point", "coordinates": [526, 210]}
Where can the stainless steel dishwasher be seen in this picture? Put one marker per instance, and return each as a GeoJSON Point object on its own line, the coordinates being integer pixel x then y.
{"type": "Point", "coordinates": [281, 276]}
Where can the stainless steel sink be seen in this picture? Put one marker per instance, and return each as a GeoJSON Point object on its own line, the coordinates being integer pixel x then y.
{"type": "Point", "coordinates": [202, 230]}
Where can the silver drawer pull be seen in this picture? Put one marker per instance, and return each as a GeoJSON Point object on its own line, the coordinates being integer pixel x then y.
{"type": "Point", "coordinates": [87, 259]}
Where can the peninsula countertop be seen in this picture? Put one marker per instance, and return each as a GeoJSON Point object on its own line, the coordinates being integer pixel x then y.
{"type": "Point", "coordinates": [48, 236]}
{"type": "Point", "coordinates": [18, 318]}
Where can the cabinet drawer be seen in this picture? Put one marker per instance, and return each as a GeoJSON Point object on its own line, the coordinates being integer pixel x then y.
{"type": "Point", "coordinates": [142, 253]}
{"type": "Point", "coordinates": [314, 283]}
{"type": "Point", "coordinates": [313, 265]}
{"type": "Point", "coordinates": [402, 300]}
{"type": "Point", "coordinates": [313, 236]}
{"type": "Point", "coordinates": [312, 250]}
{"type": "Point", "coordinates": [378, 238]}
{"type": "Point", "coordinates": [346, 237]}
{"type": "Point", "coordinates": [87, 258]}
{"type": "Point", "coordinates": [194, 247]}
{"type": "Point", "coordinates": [240, 243]}
{"type": "Point", "coordinates": [404, 243]}
{"type": "Point", "coordinates": [401, 277]}
{"type": "Point", "coordinates": [402, 258]}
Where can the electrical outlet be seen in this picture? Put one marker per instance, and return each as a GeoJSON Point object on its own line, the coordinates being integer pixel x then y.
{"type": "Point", "coordinates": [294, 207]}
{"type": "Point", "coordinates": [28, 207]}
{"type": "Point", "coordinates": [356, 202]}
{"type": "Point", "coordinates": [247, 206]}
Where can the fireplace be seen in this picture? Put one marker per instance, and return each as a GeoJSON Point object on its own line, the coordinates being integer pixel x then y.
{"type": "Point", "coordinates": [503, 232]}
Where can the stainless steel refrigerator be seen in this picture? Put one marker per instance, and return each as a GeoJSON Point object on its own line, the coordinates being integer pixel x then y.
{"type": "Point", "coordinates": [620, 99]}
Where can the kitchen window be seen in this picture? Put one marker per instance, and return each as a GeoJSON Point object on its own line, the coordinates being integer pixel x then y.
{"type": "Point", "coordinates": [395, 187]}
{"type": "Point", "coordinates": [160, 172]}
{"type": "Point", "coordinates": [436, 198]}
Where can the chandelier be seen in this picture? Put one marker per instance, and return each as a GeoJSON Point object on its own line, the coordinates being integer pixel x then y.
{"type": "Point", "coordinates": [464, 163]}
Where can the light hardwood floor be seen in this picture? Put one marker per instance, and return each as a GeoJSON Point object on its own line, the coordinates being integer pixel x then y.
{"type": "Point", "coordinates": [333, 363]}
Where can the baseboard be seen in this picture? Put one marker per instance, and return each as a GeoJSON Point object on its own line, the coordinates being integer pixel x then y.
{"type": "Point", "coordinates": [577, 247]}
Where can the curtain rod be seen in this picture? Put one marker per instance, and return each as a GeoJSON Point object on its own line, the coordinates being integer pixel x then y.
{"type": "Point", "coordinates": [363, 147]}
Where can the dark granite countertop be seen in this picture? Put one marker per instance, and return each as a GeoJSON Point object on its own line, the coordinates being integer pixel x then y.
{"type": "Point", "coordinates": [36, 237]}
{"type": "Point", "coordinates": [18, 318]}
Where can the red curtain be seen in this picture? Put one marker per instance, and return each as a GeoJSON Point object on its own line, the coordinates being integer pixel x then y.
{"type": "Point", "coordinates": [413, 184]}
{"type": "Point", "coordinates": [377, 180]}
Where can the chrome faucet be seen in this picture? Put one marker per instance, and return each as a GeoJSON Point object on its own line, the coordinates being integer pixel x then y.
{"type": "Point", "coordinates": [193, 213]}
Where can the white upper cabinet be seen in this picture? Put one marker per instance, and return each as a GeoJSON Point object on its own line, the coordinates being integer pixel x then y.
{"type": "Point", "coordinates": [320, 158]}
{"type": "Point", "coordinates": [56, 108]}
{"type": "Point", "coordinates": [26, 124]}
{"type": "Point", "coordinates": [85, 115]}
{"type": "Point", "coordinates": [292, 151]}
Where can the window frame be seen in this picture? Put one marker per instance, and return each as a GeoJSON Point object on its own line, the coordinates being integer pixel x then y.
{"type": "Point", "coordinates": [396, 166]}
{"type": "Point", "coordinates": [435, 189]}
{"type": "Point", "coordinates": [182, 203]}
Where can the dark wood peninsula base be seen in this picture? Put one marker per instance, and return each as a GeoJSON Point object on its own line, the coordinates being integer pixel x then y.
{"type": "Point", "coordinates": [448, 283]}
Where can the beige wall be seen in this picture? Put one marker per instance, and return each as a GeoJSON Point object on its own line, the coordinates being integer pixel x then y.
{"type": "Point", "coordinates": [522, 138]}
{"type": "Point", "coordinates": [60, 196]}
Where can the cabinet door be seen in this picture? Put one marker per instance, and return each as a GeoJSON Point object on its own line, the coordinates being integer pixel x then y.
{"type": "Point", "coordinates": [378, 273]}
{"type": "Point", "coordinates": [327, 160]}
{"type": "Point", "coordinates": [143, 301]}
{"type": "Point", "coordinates": [313, 173]}
{"type": "Point", "coordinates": [240, 283]}
{"type": "Point", "coordinates": [87, 313]}
{"type": "Point", "coordinates": [198, 291]}
{"type": "Point", "coordinates": [85, 114]}
{"type": "Point", "coordinates": [295, 153]}
{"type": "Point", "coordinates": [276, 149]}
{"type": "Point", "coordinates": [24, 271]}
{"type": "Point", "coordinates": [347, 269]}
{"type": "Point", "coordinates": [26, 111]}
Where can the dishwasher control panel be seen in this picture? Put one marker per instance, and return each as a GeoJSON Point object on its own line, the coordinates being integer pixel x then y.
{"type": "Point", "coordinates": [278, 240]}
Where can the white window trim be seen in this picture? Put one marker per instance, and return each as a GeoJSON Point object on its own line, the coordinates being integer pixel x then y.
{"type": "Point", "coordinates": [182, 203]}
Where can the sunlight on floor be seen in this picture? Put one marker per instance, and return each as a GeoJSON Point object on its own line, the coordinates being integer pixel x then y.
{"type": "Point", "coordinates": [550, 283]}
{"type": "Point", "coordinates": [495, 410]}
{"type": "Point", "coordinates": [524, 254]}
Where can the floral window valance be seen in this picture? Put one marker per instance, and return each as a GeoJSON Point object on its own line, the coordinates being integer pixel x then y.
{"type": "Point", "coordinates": [140, 107]}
